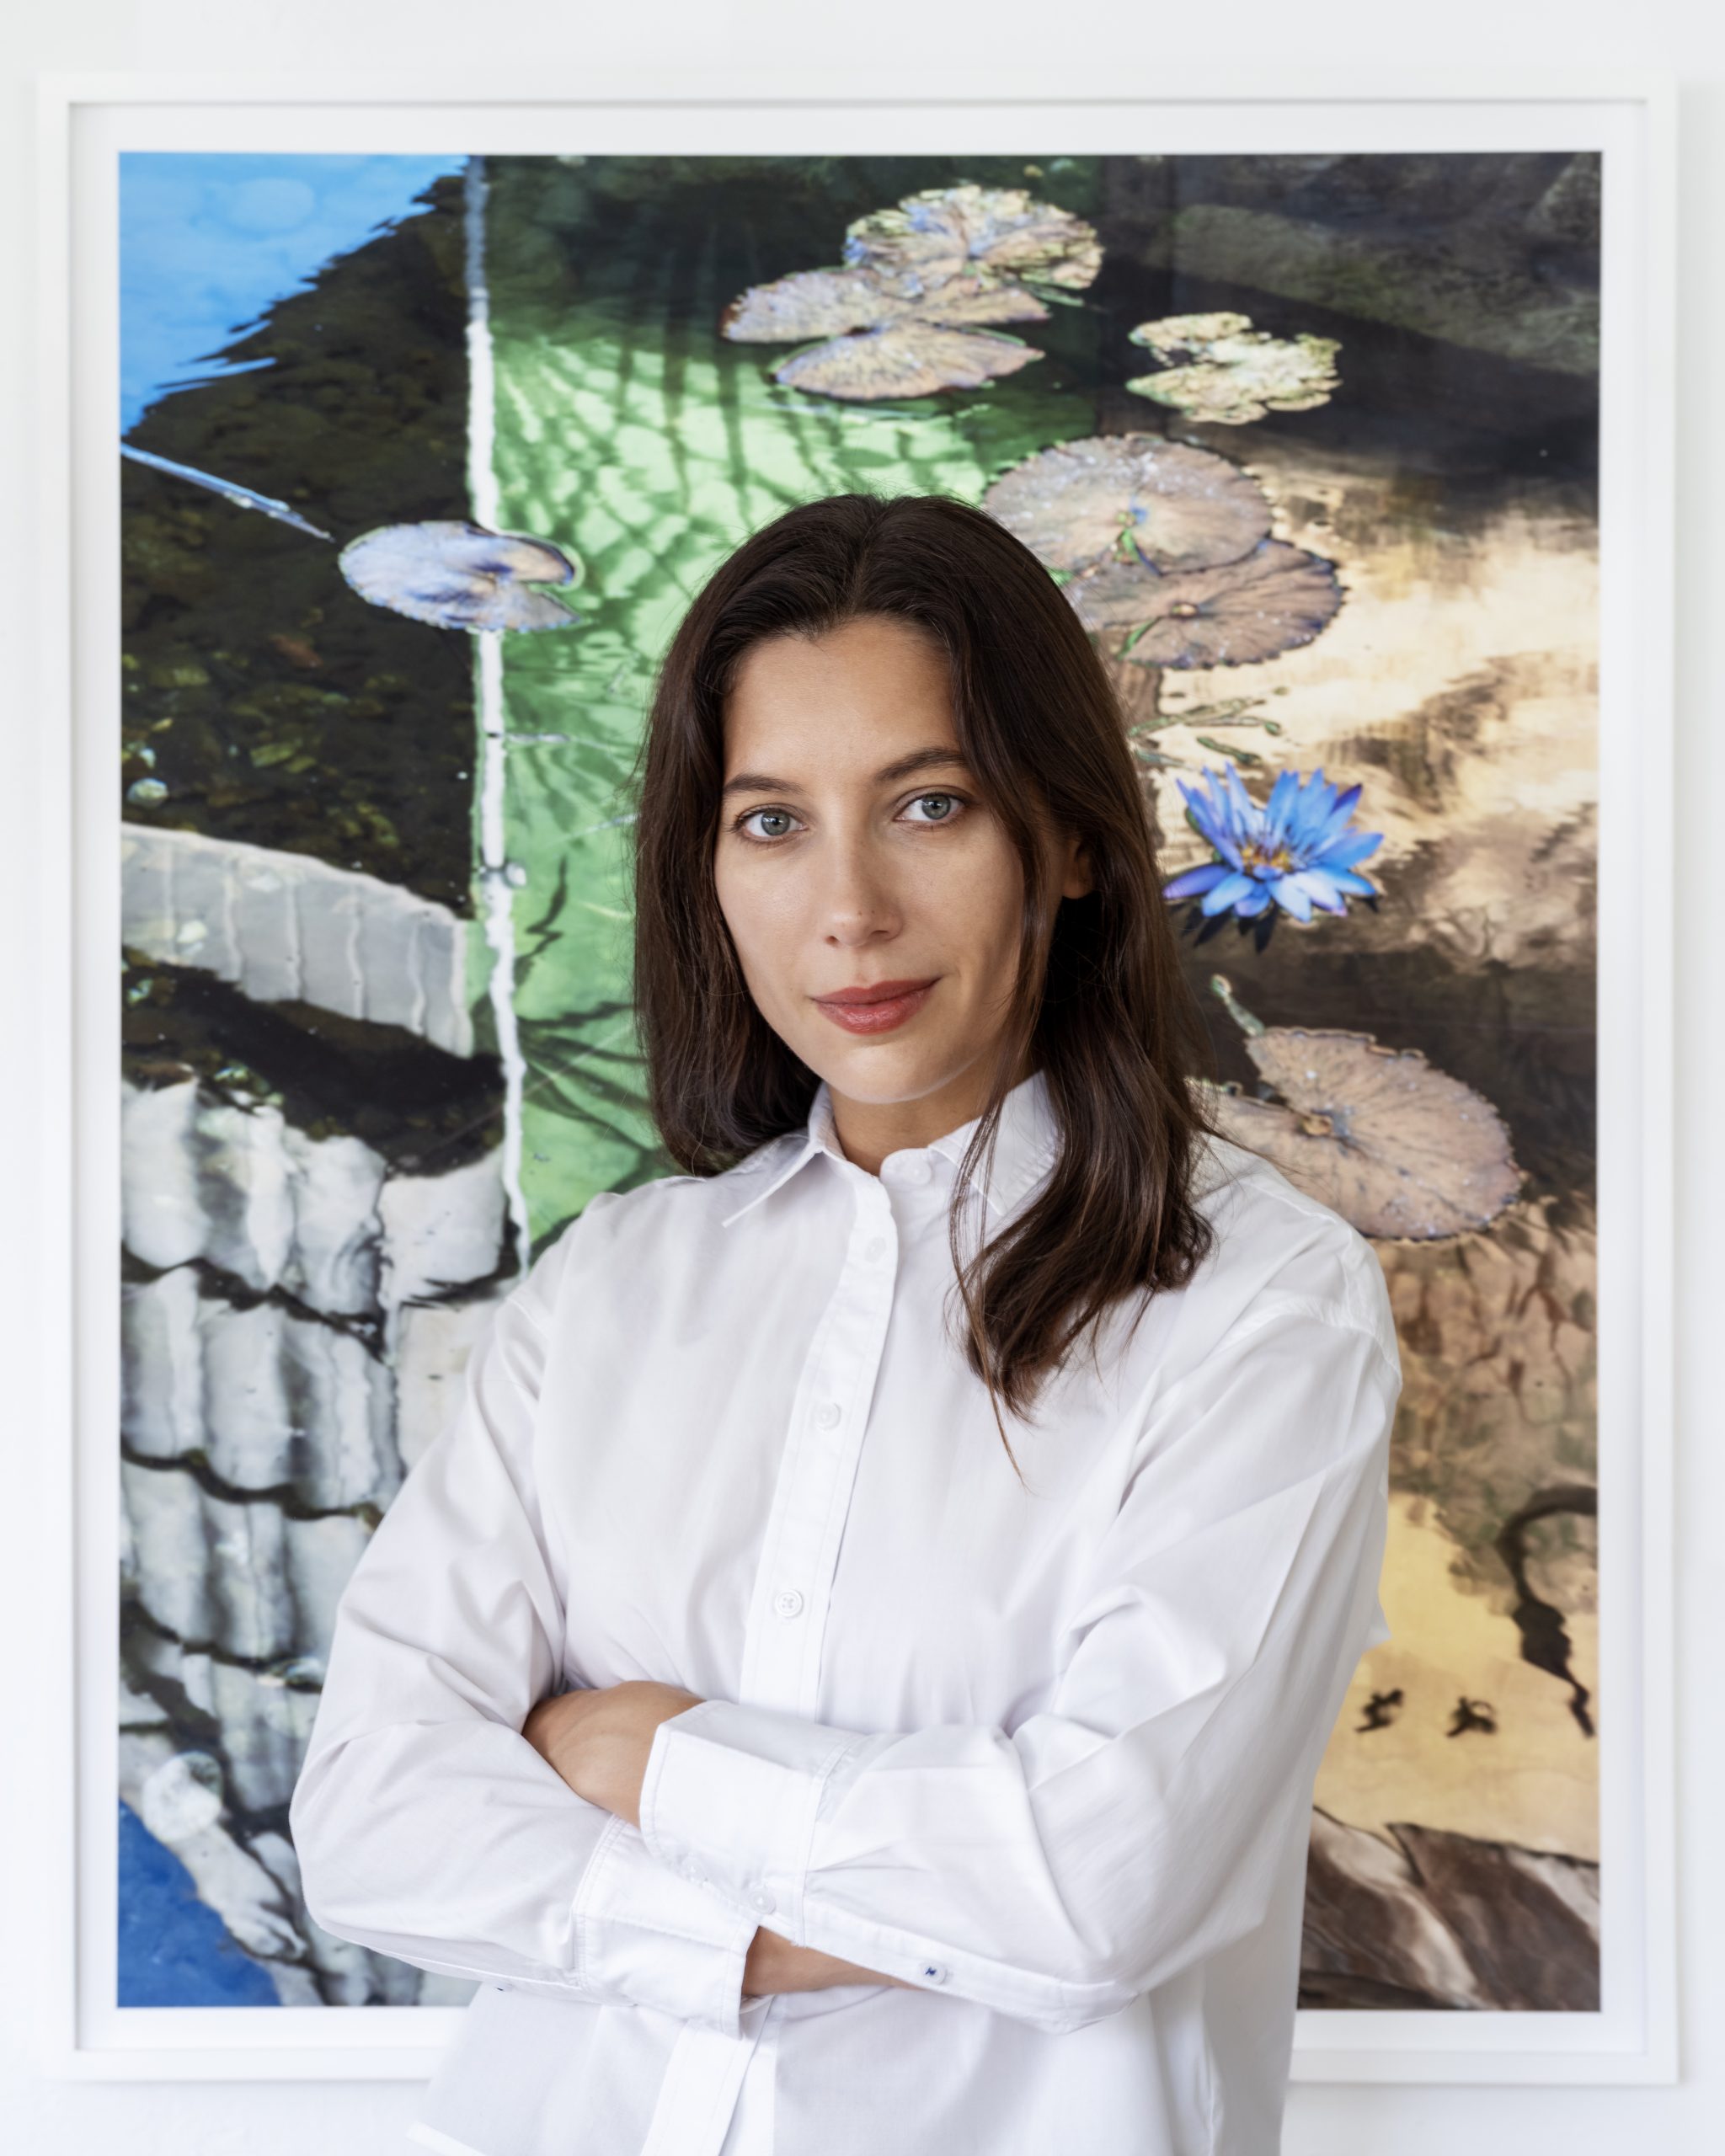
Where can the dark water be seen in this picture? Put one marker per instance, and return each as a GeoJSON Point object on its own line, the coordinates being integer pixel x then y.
{"type": "Point", "coordinates": [271, 706]}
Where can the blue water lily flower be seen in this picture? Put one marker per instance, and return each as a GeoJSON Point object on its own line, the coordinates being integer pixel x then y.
{"type": "Point", "coordinates": [1296, 849]}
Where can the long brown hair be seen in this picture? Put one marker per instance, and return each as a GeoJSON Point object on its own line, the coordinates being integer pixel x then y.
{"type": "Point", "coordinates": [1101, 1005]}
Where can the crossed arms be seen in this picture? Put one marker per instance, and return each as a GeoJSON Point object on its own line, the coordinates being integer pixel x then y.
{"type": "Point", "coordinates": [458, 1811]}
{"type": "Point", "coordinates": [599, 1741]}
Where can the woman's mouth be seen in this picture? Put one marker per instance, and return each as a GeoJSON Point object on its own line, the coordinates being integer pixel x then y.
{"type": "Point", "coordinates": [877, 1008]}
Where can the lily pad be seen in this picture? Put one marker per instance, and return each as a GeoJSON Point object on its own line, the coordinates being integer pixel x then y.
{"type": "Point", "coordinates": [459, 575]}
{"type": "Point", "coordinates": [911, 359]}
{"type": "Point", "coordinates": [948, 260]}
{"type": "Point", "coordinates": [929, 237]}
{"type": "Point", "coordinates": [1273, 599]}
{"type": "Point", "coordinates": [1134, 498]}
{"type": "Point", "coordinates": [808, 303]}
{"type": "Point", "coordinates": [1189, 333]}
{"type": "Point", "coordinates": [830, 302]}
{"type": "Point", "coordinates": [1397, 1148]}
{"type": "Point", "coordinates": [977, 296]}
{"type": "Point", "coordinates": [1235, 373]}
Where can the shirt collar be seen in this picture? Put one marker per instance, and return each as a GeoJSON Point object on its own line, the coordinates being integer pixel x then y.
{"type": "Point", "coordinates": [1025, 1146]}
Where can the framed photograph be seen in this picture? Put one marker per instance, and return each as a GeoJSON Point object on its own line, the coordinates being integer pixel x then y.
{"type": "Point", "coordinates": [391, 434]}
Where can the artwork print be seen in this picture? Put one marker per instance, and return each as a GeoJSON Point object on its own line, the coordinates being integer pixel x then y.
{"type": "Point", "coordinates": [421, 460]}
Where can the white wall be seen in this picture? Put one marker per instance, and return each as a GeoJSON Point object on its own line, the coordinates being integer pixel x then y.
{"type": "Point", "coordinates": [925, 47]}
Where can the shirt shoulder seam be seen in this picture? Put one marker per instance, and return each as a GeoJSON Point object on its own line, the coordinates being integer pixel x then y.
{"type": "Point", "coordinates": [1277, 1186]}
{"type": "Point", "coordinates": [1280, 1302]}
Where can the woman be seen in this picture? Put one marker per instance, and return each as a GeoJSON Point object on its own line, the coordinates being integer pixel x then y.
{"type": "Point", "coordinates": [853, 1671]}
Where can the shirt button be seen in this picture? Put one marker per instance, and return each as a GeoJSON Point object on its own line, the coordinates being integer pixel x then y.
{"type": "Point", "coordinates": [933, 1972]}
{"type": "Point", "coordinates": [914, 1171]}
{"type": "Point", "coordinates": [874, 1247]}
{"type": "Point", "coordinates": [762, 1900]}
{"type": "Point", "coordinates": [827, 1414]}
{"type": "Point", "coordinates": [692, 1871]}
{"type": "Point", "coordinates": [787, 1601]}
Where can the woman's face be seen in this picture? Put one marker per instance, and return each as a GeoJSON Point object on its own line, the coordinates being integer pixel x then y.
{"type": "Point", "coordinates": [855, 852]}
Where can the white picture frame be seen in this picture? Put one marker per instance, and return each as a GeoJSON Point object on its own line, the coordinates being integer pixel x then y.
{"type": "Point", "coordinates": [84, 124]}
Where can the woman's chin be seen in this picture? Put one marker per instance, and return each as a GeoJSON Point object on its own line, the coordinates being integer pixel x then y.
{"type": "Point", "coordinates": [881, 1072]}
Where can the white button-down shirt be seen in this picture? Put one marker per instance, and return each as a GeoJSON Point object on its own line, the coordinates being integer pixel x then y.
{"type": "Point", "coordinates": [1047, 1754]}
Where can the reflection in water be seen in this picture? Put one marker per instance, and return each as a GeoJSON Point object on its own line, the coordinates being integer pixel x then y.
{"type": "Point", "coordinates": [1519, 1770]}
{"type": "Point", "coordinates": [209, 240]}
{"type": "Point", "coordinates": [316, 1226]}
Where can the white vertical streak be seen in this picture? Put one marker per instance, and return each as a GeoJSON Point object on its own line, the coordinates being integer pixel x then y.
{"type": "Point", "coordinates": [498, 895]}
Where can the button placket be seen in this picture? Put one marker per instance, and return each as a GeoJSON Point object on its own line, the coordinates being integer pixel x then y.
{"type": "Point", "coordinates": [781, 1658]}
{"type": "Point", "coordinates": [781, 1650]}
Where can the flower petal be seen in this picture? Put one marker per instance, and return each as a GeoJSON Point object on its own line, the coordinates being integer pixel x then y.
{"type": "Point", "coordinates": [1344, 852]}
{"type": "Point", "coordinates": [1277, 809]}
{"type": "Point", "coordinates": [1223, 895]}
{"type": "Point", "coordinates": [1311, 813]}
{"type": "Point", "coordinates": [1319, 888]}
{"type": "Point", "coordinates": [1341, 808]}
{"type": "Point", "coordinates": [1288, 894]}
{"type": "Point", "coordinates": [1247, 815]}
{"type": "Point", "coordinates": [1191, 881]}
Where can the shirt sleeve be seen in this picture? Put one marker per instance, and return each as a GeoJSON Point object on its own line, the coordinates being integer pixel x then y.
{"type": "Point", "coordinates": [1139, 1824]}
{"type": "Point", "coordinates": [426, 1826]}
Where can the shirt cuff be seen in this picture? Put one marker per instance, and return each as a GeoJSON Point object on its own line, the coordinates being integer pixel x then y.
{"type": "Point", "coordinates": [734, 1790]}
{"type": "Point", "coordinates": [660, 1937]}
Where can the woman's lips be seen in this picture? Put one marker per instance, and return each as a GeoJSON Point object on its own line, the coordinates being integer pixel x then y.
{"type": "Point", "coordinates": [879, 1016]}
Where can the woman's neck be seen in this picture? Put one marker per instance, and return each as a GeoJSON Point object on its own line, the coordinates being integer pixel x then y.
{"type": "Point", "coordinates": [868, 1130]}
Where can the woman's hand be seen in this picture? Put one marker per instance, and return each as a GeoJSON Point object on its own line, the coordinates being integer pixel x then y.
{"type": "Point", "coordinates": [598, 1737]}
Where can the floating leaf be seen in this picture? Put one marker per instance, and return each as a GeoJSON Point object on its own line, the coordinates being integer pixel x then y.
{"type": "Point", "coordinates": [460, 575]}
{"type": "Point", "coordinates": [1236, 373]}
{"type": "Point", "coordinates": [977, 297]}
{"type": "Point", "coordinates": [1132, 496]}
{"type": "Point", "coordinates": [949, 259]}
{"type": "Point", "coordinates": [1189, 333]}
{"type": "Point", "coordinates": [929, 237]}
{"type": "Point", "coordinates": [1394, 1146]}
{"type": "Point", "coordinates": [808, 303]}
{"type": "Point", "coordinates": [1270, 600]}
{"type": "Point", "coordinates": [912, 358]}
{"type": "Point", "coordinates": [830, 302]}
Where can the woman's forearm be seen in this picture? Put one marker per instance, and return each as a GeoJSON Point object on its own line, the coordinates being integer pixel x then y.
{"type": "Point", "coordinates": [598, 1740]}
{"type": "Point", "coordinates": [775, 1963]}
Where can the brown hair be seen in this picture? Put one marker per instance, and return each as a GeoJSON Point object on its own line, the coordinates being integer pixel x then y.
{"type": "Point", "coordinates": [1101, 1005]}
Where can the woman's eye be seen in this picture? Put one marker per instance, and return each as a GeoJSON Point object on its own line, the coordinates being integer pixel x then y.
{"type": "Point", "coordinates": [946, 803]}
{"type": "Point", "coordinates": [765, 826]}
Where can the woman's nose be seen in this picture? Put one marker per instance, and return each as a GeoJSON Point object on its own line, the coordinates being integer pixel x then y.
{"type": "Point", "coordinates": [857, 897]}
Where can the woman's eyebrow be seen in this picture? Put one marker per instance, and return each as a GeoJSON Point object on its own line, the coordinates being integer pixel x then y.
{"type": "Point", "coordinates": [919, 759]}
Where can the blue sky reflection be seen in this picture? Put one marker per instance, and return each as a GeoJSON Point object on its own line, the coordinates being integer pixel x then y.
{"type": "Point", "coordinates": [209, 239]}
